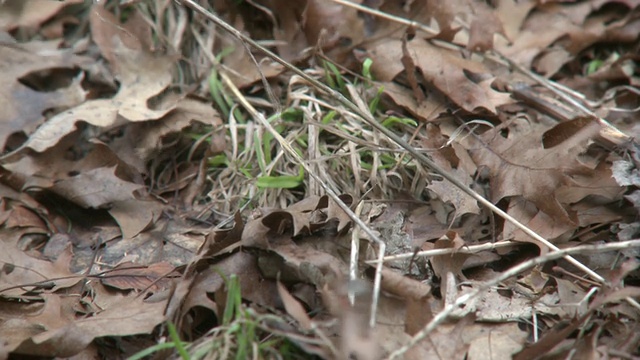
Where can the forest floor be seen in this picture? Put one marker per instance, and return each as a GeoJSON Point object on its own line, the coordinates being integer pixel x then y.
{"type": "Point", "coordinates": [319, 179]}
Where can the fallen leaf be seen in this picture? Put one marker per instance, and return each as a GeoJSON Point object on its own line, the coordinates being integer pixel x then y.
{"type": "Point", "coordinates": [130, 316]}
{"type": "Point", "coordinates": [96, 188]}
{"type": "Point", "coordinates": [519, 166]}
{"type": "Point", "coordinates": [130, 276]}
{"type": "Point", "coordinates": [294, 308]}
{"type": "Point", "coordinates": [134, 215]}
{"type": "Point", "coordinates": [142, 76]}
{"type": "Point", "coordinates": [22, 273]}
{"type": "Point", "coordinates": [14, 14]}
{"type": "Point", "coordinates": [443, 68]}
{"type": "Point", "coordinates": [462, 169]}
{"type": "Point", "coordinates": [24, 106]}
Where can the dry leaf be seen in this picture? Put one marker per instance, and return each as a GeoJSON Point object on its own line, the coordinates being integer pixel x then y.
{"type": "Point", "coordinates": [294, 308]}
{"type": "Point", "coordinates": [96, 188]}
{"type": "Point", "coordinates": [142, 76]}
{"type": "Point", "coordinates": [519, 166]}
{"type": "Point", "coordinates": [23, 106]}
{"type": "Point", "coordinates": [17, 13]}
{"type": "Point", "coordinates": [130, 276]}
{"type": "Point", "coordinates": [443, 68]}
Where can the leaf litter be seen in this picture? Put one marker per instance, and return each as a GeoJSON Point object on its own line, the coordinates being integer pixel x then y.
{"type": "Point", "coordinates": [125, 158]}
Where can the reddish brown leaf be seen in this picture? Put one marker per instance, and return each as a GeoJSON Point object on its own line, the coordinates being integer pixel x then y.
{"type": "Point", "coordinates": [130, 276]}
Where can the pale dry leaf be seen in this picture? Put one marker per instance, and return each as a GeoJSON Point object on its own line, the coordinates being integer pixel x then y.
{"type": "Point", "coordinates": [543, 224]}
{"type": "Point", "coordinates": [96, 188]}
{"type": "Point", "coordinates": [291, 39]}
{"type": "Point", "coordinates": [482, 21]}
{"type": "Point", "coordinates": [142, 140]}
{"type": "Point", "coordinates": [42, 170]}
{"type": "Point", "coordinates": [142, 76]}
{"type": "Point", "coordinates": [496, 341]}
{"type": "Point", "coordinates": [294, 308]}
{"type": "Point", "coordinates": [29, 14]}
{"type": "Point", "coordinates": [512, 13]}
{"type": "Point", "coordinates": [243, 71]}
{"type": "Point", "coordinates": [22, 272]}
{"type": "Point", "coordinates": [130, 316]}
{"type": "Point", "coordinates": [426, 110]}
{"type": "Point", "coordinates": [542, 28]}
{"type": "Point", "coordinates": [417, 295]}
{"type": "Point", "coordinates": [23, 107]}
{"type": "Point", "coordinates": [446, 342]}
{"type": "Point", "coordinates": [452, 263]}
{"type": "Point", "coordinates": [134, 215]}
{"type": "Point", "coordinates": [335, 212]}
{"type": "Point", "coordinates": [331, 26]}
{"type": "Point", "coordinates": [255, 287]}
{"type": "Point", "coordinates": [19, 216]}
{"type": "Point", "coordinates": [572, 298]}
{"type": "Point", "coordinates": [22, 322]}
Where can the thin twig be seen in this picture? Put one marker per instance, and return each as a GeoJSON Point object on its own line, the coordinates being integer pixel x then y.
{"type": "Point", "coordinates": [472, 249]}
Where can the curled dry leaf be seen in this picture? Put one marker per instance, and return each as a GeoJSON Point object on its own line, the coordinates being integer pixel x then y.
{"type": "Point", "coordinates": [294, 308]}
{"type": "Point", "coordinates": [142, 76]}
{"type": "Point", "coordinates": [23, 106]}
{"type": "Point", "coordinates": [443, 68]}
{"type": "Point", "coordinates": [461, 167]}
{"type": "Point", "coordinates": [30, 14]}
{"type": "Point", "coordinates": [135, 215]}
{"type": "Point", "coordinates": [69, 335]}
{"type": "Point", "coordinates": [519, 166]}
{"type": "Point", "coordinates": [23, 274]}
{"type": "Point", "coordinates": [96, 188]}
{"type": "Point", "coordinates": [416, 294]}
{"type": "Point", "coordinates": [210, 279]}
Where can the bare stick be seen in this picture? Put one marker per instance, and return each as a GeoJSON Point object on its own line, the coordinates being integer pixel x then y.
{"type": "Point", "coordinates": [472, 249]}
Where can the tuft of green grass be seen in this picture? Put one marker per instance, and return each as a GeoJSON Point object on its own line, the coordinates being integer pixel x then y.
{"type": "Point", "coordinates": [281, 182]}
{"type": "Point", "coordinates": [334, 78]}
{"type": "Point", "coordinates": [175, 343]}
{"type": "Point", "coordinates": [223, 100]}
{"type": "Point", "coordinates": [240, 335]}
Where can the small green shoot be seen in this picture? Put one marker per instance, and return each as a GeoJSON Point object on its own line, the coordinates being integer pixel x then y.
{"type": "Point", "coordinates": [393, 120]}
{"type": "Point", "coordinates": [373, 105]}
{"type": "Point", "coordinates": [339, 83]}
{"type": "Point", "coordinates": [150, 350]}
{"type": "Point", "coordinates": [218, 161]}
{"type": "Point", "coordinates": [216, 88]}
{"type": "Point", "coordinates": [233, 306]}
{"type": "Point", "coordinates": [176, 344]}
{"type": "Point", "coordinates": [262, 149]}
{"type": "Point", "coordinates": [329, 117]}
{"type": "Point", "coordinates": [366, 69]}
{"type": "Point", "coordinates": [281, 182]}
{"type": "Point", "coordinates": [594, 65]}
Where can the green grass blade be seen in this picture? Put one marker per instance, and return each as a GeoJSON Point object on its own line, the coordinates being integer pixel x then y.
{"type": "Point", "coordinates": [150, 350]}
{"type": "Point", "coordinates": [173, 333]}
{"type": "Point", "coordinates": [280, 182]}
